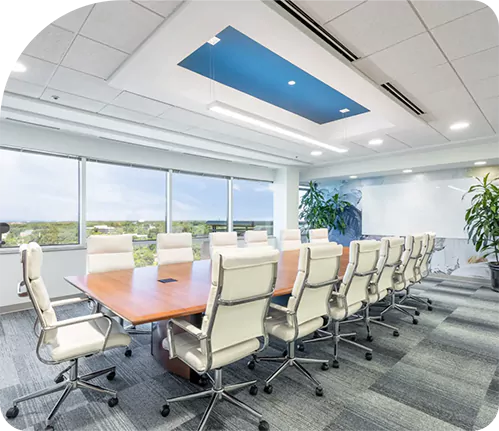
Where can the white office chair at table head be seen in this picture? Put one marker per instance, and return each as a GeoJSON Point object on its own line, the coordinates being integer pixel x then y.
{"type": "Point", "coordinates": [222, 241]}
{"type": "Point", "coordinates": [174, 248]}
{"type": "Point", "coordinates": [256, 238]}
{"type": "Point", "coordinates": [65, 340]}
{"type": "Point", "coordinates": [243, 281]}
{"type": "Point", "coordinates": [290, 239]}
{"type": "Point", "coordinates": [318, 236]}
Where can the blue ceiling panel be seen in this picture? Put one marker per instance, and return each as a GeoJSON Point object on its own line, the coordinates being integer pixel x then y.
{"type": "Point", "coordinates": [243, 64]}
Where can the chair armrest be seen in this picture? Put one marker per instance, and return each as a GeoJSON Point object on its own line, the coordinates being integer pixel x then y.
{"type": "Point", "coordinates": [281, 308]}
{"type": "Point", "coordinates": [337, 294]}
{"type": "Point", "coordinates": [75, 320]}
{"type": "Point", "coordinates": [70, 301]}
{"type": "Point", "coordinates": [189, 327]}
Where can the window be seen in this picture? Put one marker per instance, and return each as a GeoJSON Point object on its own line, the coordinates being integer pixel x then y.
{"type": "Point", "coordinates": [253, 206]}
{"type": "Point", "coordinates": [125, 200]}
{"type": "Point", "coordinates": [39, 198]}
{"type": "Point", "coordinates": [199, 206]}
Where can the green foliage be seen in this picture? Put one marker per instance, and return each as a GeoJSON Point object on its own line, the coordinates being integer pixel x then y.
{"type": "Point", "coordinates": [319, 211]}
{"type": "Point", "coordinates": [482, 218]}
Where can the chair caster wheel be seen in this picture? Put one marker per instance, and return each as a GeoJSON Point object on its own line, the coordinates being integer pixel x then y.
{"type": "Point", "coordinates": [49, 428]}
{"type": "Point", "coordinates": [263, 426]}
{"type": "Point", "coordinates": [165, 410]}
{"type": "Point", "coordinates": [430, 308]}
{"type": "Point", "coordinates": [203, 380]}
{"type": "Point", "coordinates": [12, 412]}
{"type": "Point", "coordinates": [251, 365]}
{"type": "Point", "coordinates": [300, 347]}
{"type": "Point", "coordinates": [430, 301]}
{"type": "Point", "coordinates": [112, 402]}
{"type": "Point", "coordinates": [111, 375]}
{"type": "Point", "coordinates": [325, 366]}
{"type": "Point", "coordinates": [253, 390]}
{"type": "Point", "coordinates": [128, 353]}
{"type": "Point", "coordinates": [369, 338]}
{"type": "Point", "coordinates": [353, 338]}
{"type": "Point", "coordinates": [285, 353]}
{"type": "Point", "coordinates": [59, 379]}
{"type": "Point", "coordinates": [369, 356]}
{"type": "Point", "coordinates": [396, 333]}
{"type": "Point", "coordinates": [415, 321]}
{"type": "Point", "coordinates": [336, 364]}
{"type": "Point", "coordinates": [319, 392]}
{"type": "Point", "coordinates": [268, 389]}
{"type": "Point", "coordinates": [417, 313]}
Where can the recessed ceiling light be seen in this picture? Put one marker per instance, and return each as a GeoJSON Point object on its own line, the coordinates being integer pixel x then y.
{"type": "Point", "coordinates": [353, 177]}
{"type": "Point", "coordinates": [344, 110]}
{"type": "Point", "coordinates": [407, 171]}
{"type": "Point", "coordinates": [291, 82]}
{"type": "Point", "coordinates": [19, 67]}
{"type": "Point", "coordinates": [459, 126]}
{"type": "Point", "coordinates": [480, 163]}
{"type": "Point", "coordinates": [375, 142]}
{"type": "Point", "coordinates": [316, 153]}
{"type": "Point", "coordinates": [214, 40]}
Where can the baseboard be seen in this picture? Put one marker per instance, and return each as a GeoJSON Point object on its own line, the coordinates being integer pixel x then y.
{"type": "Point", "coordinates": [14, 308]}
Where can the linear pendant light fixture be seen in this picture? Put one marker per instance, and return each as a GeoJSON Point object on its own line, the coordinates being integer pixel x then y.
{"type": "Point", "coordinates": [228, 111]}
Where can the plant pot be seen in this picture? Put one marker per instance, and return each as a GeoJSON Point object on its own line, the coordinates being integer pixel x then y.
{"type": "Point", "coordinates": [494, 275]}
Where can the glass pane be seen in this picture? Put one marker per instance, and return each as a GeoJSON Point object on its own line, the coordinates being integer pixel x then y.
{"type": "Point", "coordinates": [145, 255]}
{"type": "Point", "coordinates": [121, 199]}
{"type": "Point", "coordinates": [199, 206]}
{"type": "Point", "coordinates": [38, 198]}
{"type": "Point", "coordinates": [253, 206]}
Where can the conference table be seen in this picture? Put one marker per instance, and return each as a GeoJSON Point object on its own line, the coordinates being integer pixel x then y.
{"type": "Point", "coordinates": [138, 296]}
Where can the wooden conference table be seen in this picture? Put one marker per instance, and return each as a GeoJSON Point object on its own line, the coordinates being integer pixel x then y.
{"type": "Point", "coordinates": [136, 295]}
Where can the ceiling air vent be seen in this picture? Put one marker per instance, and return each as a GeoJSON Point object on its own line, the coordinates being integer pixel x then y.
{"type": "Point", "coordinates": [402, 99]}
{"type": "Point", "coordinates": [32, 124]}
{"type": "Point", "coordinates": [316, 28]}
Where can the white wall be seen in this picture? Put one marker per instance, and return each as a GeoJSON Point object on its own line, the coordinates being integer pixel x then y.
{"type": "Point", "coordinates": [286, 188]}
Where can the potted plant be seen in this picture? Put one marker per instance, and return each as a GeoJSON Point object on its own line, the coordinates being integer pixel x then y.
{"type": "Point", "coordinates": [319, 211]}
{"type": "Point", "coordinates": [482, 223]}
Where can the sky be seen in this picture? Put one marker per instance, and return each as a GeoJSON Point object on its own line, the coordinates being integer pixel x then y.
{"type": "Point", "coordinates": [44, 188]}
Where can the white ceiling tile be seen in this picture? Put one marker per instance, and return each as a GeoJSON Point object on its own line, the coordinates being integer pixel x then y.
{"type": "Point", "coordinates": [24, 88]}
{"type": "Point", "coordinates": [408, 57]}
{"type": "Point", "coordinates": [125, 114]}
{"type": "Point", "coordinates": [478, 125]}
{"type": "Point", "coordinates": [140, 104]}
{"type": "Point", "coordinates": [93, 58]}
{"type": "Point", "coordinates": [73, 21]}
{"type": "Point", "coordinates": [375, 25]}
{"type": "Point", "coordinates": [445, 102]}
{"type": "Point", "coordinates": [72, 100]}
{"type": "Point", "coordinates": [324, 11]}
{"type": "Point", "coordinates": [484, 88]}
{"type": "Point", "coordinates": [193, 119]}
{"type": "Point", "coordinates": [490, 108]}
{"type": "Point", "coordinates": [419, 137]}
{"type": "Point", "coordinates": [50, 44]}
{"type": "Point", "coordinates": [478, 66]}
{"type": "Point", "coordinates": [469, 34]}
{"type": "Point", "coordinates": [37, 71]}
{"type": "Point", "coordinates": [121, 24]}
{"type": "Point", "coordinates": [354, 150]}
{"type": "Point", "coordinates": [437, 12]}
{"type": "Point", "coordinates": [164, 8]}
{"type": "Point", "coordinates": [389, 144]}
{"type": "Point", "coordinates": [81, 84]}
{"type": "Point", "coordinates": [163, 123]}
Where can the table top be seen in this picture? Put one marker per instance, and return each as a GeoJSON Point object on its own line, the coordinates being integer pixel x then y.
{"type": "Point", "coordinates": [137, 296]}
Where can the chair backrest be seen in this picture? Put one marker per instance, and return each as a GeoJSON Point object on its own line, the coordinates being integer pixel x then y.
{"type": "Point", "coordinates": [318, 267]}
{"type": "Point", "coordinates": [220, 241]}
{"type": "Point", "coordinates": [242, 284]}
{"type": "Point", "coordinates": [32, 259]}
{"type": "Point", "coordinates": [360, 271]}
{"type": "Point", "coordinates": [174, 248]}
{"type": "Point", "coordinates": [410, 256]}
{"type": "Point", "coordinates": [256, 238]}
{"type": "Point", "coordinates": [318, 235]}
{"type": "Point", "coordinates": [109, 253]}
{"type": "Point", "coordinates": [290, 239]}
{"type": "Point", "coordinates": [389, 259]}
{"type": "Point", "coordinates": [427, 252]}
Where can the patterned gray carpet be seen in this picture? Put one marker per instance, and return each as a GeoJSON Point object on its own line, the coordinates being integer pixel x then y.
{"type": "Point", "coordinates": [441, 374]}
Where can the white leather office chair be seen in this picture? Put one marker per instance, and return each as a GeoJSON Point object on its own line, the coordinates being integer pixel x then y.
{"type": "Point", "coordinates": [428, 250]}
{"type": "Point", "coordinates": [221, 241]}
{"type": "Point", "coordinates": [290, 239]}
{"type": "Point", "coordinates": [174, 248]}
{"type": "Point", "coordinates": [107, 253]}
{"type": "Point", "coordinates": [256, 238]}
{"type": "Point", "coordinates": [243, 282]}
{"type": "Point", "coordinates": [65, 340]}
{"type": "Point", "coordinates": [351, 298]}
{"type": "Point", "coordinates": [402, 275]}
{"type": "Point", "coordinates": [307, 306]}
{"type": "Point", "coordinates": [318, 236]}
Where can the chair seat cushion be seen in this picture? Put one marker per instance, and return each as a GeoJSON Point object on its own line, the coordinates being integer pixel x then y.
{"type": "Point", "coordinates": [277, 325]}
{"type": "Point", "coordinates": [188, 348]}
{"type": "Point", "coordinates": [86, 338]}
{"type": "Point", "coordinates": [338, 312]}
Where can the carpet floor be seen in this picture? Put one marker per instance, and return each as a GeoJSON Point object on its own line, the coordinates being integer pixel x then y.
{"type": "Point", "coordinates": [441, 374]}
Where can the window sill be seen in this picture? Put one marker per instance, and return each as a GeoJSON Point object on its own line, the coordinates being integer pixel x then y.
{"type": "Point", "coordinates": [46, 248]}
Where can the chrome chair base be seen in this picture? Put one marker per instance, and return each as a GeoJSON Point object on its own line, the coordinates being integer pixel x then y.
{"type": "Point", "coordinates": [368, 319]}
{"type": "Point", "coordinates": [219, 392]}
{"type": "Point", "coordinates": [288, 359]}
{"type": "Point", "coordinates": [67, 385]}
{"type": "Point", "coordinates": [399, 307]}
{"type": "Point", "coordinates": [421, 300]}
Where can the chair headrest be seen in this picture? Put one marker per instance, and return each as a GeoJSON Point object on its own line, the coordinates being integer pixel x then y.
{"type": "Point", "coordinates": [103, 244]}
{"type": "Point", "coordinates": [318, 233]}
{"type": "Point", "coordinates": [34, 259]}
{"type": "Point", "coordinates": [222, 239]}
{"type": "Point", "coordinates": [174, 240]}
{"type": "Point", "coordinates": [318, 252]}
{"type": "Point", "coordinates": [391, 242]}
{"type": "Point", "coordinates": [255, 236]}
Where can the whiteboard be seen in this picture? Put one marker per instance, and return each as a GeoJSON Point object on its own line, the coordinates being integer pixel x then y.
{"type": "Point", "coordinates": [416, 206]}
